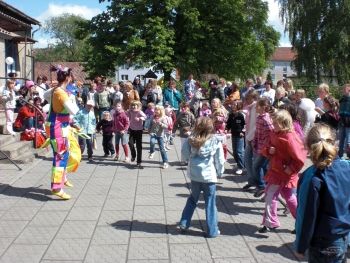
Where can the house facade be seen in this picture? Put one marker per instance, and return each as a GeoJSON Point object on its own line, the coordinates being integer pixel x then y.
{"type": "Point", "coordinates": [281, 65]}
{"type": "Point", "coordinates": [16, 42]}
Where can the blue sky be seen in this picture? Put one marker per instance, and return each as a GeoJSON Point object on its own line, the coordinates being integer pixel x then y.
{"type": "Point", "coordinates": [43, 9]}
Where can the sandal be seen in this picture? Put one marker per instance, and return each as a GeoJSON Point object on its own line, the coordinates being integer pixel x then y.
{"type": "Point", "coordinates": [63, 195]}
{"type": "Point", "coordinates": [66, 183]}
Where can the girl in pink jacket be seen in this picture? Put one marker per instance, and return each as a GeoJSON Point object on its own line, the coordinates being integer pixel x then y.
{"type": "Point", "coordinates": [120, 127]}
{"type": "Point", "coordinates": [287, 153]}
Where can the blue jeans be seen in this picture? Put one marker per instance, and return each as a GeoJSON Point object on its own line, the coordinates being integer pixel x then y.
{"type": "Point", "coordinates": [238, 150]}
{"type": "Point", "coordinates": [248, 162]}
{"type": "Point", "coordinates": [209, 192]}
{"type": "Point", "coordinates": [83, 142]}
{"type": "Point", "coordinates": [328, 250]}
{"type": "Point", "coordinates": [260, 167]}
{"type": "Point", "coordinates": [161, 147]}
{"type": "Point", "coordinates": [344, 139]}
{"type": "Point", "coordinates": [119, 136]}
{"type": "Point", "coordinates": [28, 123]}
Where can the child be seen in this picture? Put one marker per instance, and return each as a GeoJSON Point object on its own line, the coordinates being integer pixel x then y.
{"type": "Point", "coordinates": [301, 113]}
{"type": "Point", "coordinates": [203, 151]}
{"type": "Point", "coordinates": [85, 122]}
{"type": "Point", "coordinates": [205, 110]}
{"type": "Point", "coordinates": [184, 122]}
{"type": "Point", "coordinates": [289, 87]}
{"type": "Point", "coordinates": [322, 92]}
{"type": "Point", "coordinates": [280, 98]}
{"type": "Point", "coordinates": [287, 156]}
{"type": "Point", "coordinates": [149, 112]}
{"type": "Point", "coordinates": [158, 124]}
{"type": "Point", "coordinates": [330, 117]}
{"type": "Point", "coordinates": [9, 101]}
{"type": "Point", "coordinates": [92, 96]}
{"type": "Point", "coordinates": [136, 117]}
{"type": "Point", "coordinates": [262, 133]}
{"type": "Point", "coordinates": [216, 104]}
{"type": "Point", "coordinates": [250, 97]}
{"type": "Point", "coordinates": [344, 127]}
{"type": "Point", "coordinates": [102, 99]}
{"type": "Point", "coordinates": [292, 110]}
{"type": "Point", "coordinates": [323, 218]}
{"type": "Point", "coordinates": [105, 126]}
{"type": "Point", "coordinates": [167, 132]}
{"type": "Point", "coordinates": [120, 127]}
{"type": "Point", "coordinates": [248, 85]}
{"type": "Point", "coordinates": [236, 123]}
{"type": "Point", "coordinates": [116, 96]}
{"type": "Point", "coordinates": [219, 127]}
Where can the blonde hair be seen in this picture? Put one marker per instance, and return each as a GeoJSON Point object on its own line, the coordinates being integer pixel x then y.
{"type": "Point", "coordinates": [346, 86]}
{"type": "Point", "coordinates": [129, 85]}
{"type": "Point", "coordinates": [135, 103]}
{"type": "Point", "coordinates": [290, 84]}
{"type": "Point", "coordinates": [217, 101]}
{"type": "Point", "coordinates": [162, 112]}
{"type": "Point", "coordinates": [150, 105]}
{"type": "Point", "coordinates": [223, 80]}
{"type": "Point", "coordinates": [202, 131]}
{"type": "Point", "coordinates": [9, 82]}
{"type": "Point", "coordinates": [320, 140]}
{"type": "Point", "coordinates": [153, 83]}
{"type": "Point", "coordinates": [284, 120]}
{"type": "Point", "coordinates": [281, 90]}
{"type": "Point", "coordinates": [116, 85]}
{"type": "Point", "coordinates": [323, 87]}
{"type": "Point", "coordinates": [216, 112]}
{"type": "Point", "coordinates": [301, 92]}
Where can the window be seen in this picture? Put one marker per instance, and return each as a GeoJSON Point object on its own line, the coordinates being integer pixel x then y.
{"type": "Point", "coordinates": [273, 76]}
{"type": "Point", "coordinates": [273, 65]}
{"type": "Point", "coordinates": [125, 66]}
{"type": "Point", "coordinates": [142, 77]}
{"type": "Point", "coordinates": [284, 67]}
{"type": "Point", "coordinates": [125, 77]}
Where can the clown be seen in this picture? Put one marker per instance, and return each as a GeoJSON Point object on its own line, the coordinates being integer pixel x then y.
{"type": "Point", "coordinates": [60, 133]}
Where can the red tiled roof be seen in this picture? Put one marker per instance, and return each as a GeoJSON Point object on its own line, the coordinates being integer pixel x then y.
{"type": "Point", "coordinates": [283, 54]}
{"type": "Point", "coordinates": [43, 69]}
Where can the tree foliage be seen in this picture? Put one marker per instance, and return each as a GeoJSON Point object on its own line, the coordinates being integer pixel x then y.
{"type": "Point", "coordinates": [209, 36]}
{"type": "Point", "coordinates": [67, 47]}
{"type": "Point", "coordinates": [319, 32]}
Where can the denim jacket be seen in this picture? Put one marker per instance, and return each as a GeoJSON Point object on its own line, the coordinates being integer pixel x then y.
{"type": "Point", "coordinates": [206, 163]}
{"type": "Point", "coordinates": [85, 119]}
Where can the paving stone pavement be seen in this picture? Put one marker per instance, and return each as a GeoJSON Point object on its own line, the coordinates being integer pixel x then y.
{"type": "Point", "coordinates": [119, 213]}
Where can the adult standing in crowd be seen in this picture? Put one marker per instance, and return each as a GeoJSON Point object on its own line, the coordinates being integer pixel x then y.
{"type": "Point", "coordinates": [147, 96]}
{"type": "Point", "coordinates": [248, 85]}
{"type": "Point", "coordinates": [215, 91]}
{"type": "Point", "coordinates": [157, 90]}
{"type": "Point", "coordinates": [137, 85]}
{"type": "Point", "coordinates": [189, 87]}
{"type": "Point", "coordinates": [172, 96]}
{"type": "Point", "coordinates": [222, 84]}
{"type": "Point", "coordinates": [259, 87]}
{"type": "Point", "coordinates": [233, 95]}
{"type": "Point", "coordinates": [129, 96]}
{"type": "Point", "coordinates": [270, 92]}
{"type": "Point", "coordinates": [196, 99]}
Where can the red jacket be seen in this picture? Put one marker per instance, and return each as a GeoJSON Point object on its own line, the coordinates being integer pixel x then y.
{"type": "Point", "coordinates": [24, 113]}
{"type": "Point", "coordinates": [290, 151]}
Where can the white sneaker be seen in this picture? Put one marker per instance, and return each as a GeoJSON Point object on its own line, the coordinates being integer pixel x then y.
{"type": "Point", "coordinates": [167, 147]}
{"type": "Point", "coordinates": [239, 171]}
{"type": "Point", "coordinates": [116, 158]}
{"type": "Point", "coordinates": [165, 166]}
{"type": "Point", "coordinates": [151, 156]}
{"type": "Point", "coordinates": [127, 160]}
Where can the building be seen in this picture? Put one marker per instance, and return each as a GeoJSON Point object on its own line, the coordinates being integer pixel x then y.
{"type": "Point", "coordinates": [16, 42]}
{"type": "Point", "coordinates": [280, 65]}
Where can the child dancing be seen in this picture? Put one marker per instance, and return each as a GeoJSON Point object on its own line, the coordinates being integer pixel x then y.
{"type": "Point", "coordinates": [323, 218]}
{"type": "Point", "coordinates": [286, 151]}
{"type": "Point", "coordinates": [205, 156]}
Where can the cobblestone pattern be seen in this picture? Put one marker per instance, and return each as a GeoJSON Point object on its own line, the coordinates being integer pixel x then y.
{"type": "Point", "coordinates": [119, 213]}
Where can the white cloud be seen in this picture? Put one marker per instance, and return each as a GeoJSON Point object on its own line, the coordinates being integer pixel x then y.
{"type": "Point", "coordinates": [276, 22]}
{"type": "Point", "coordinates": [55, 10]}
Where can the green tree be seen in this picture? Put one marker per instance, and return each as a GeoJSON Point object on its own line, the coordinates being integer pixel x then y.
{"type": "Point", "coordinates": [268, 76]}
{"type": "Point", "coordinates": [214, 36]}
{"type": "Point", "coordinates": [67, 47]}
{"type": "Point", "coordinates": [319, 32]}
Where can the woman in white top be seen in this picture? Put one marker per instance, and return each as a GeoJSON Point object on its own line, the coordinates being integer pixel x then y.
{"type": "Point", "coordinates": [270, 92]}
{"type": "Point", "coordinates": [157, 89]}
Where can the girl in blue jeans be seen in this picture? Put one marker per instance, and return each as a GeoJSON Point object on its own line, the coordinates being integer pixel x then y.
{"type": "Point", "coordinates": [323, 218]}
{"type": "Point", "coordinates": [205, 156]}
{"type": "Point", "coordinates": [157, 125]}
